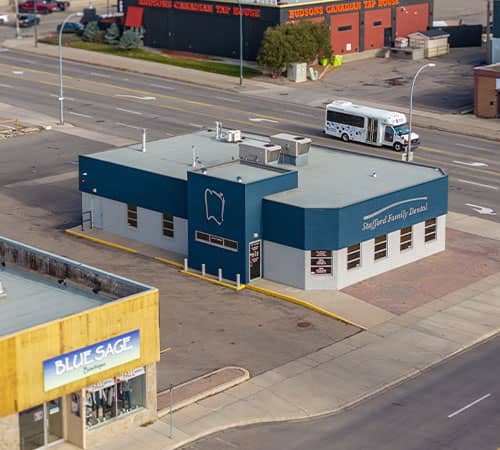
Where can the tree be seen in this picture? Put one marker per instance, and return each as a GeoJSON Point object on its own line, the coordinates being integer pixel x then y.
{"type": "Point", "coordinates": [275, 51]}
{"type": "Point", "coordinates": [131, 39]}
{"type": "Point", "coordinates": [90, 32]}
{"type": "Point", "coordinates": [112, 36]}
{"type": "Point", "coordinates": [295, 42]}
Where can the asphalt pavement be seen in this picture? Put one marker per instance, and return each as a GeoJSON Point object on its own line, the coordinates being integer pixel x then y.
{"type": "Point", "coordinates": [453, 406]}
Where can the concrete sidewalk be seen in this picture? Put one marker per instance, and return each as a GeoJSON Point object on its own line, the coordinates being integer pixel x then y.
{"type": "Point", "coordinates": [316, 94]}
{"type": "Point", "coordinates": [392, 349]}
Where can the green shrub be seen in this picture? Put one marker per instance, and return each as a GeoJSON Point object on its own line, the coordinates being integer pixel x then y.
{"type": "Point", "coordinates": [275, 52]}
{"type": "Point", "coordinates": [90, 32]}
{"type": "Point", "coordinates": [112, 36]}
{"type": "Point", "coordinates": [131, 39]}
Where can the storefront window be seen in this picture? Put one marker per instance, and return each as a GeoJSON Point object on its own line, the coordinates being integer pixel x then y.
{"type": "Point", "coordinates": [115, 396]}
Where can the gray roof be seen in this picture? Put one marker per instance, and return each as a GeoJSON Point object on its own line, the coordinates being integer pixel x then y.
{"type": "Point", "coordinates": [34, 300]}
{"type": "Point", "coordinates": [243, 172]}
{"type": "Point", "coordinates": [331, 179]}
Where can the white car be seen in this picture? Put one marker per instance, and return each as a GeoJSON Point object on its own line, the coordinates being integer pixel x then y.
{"type": "Point", "coordinates": [4, 18]}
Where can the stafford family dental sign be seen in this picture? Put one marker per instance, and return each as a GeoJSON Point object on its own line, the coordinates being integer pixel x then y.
{"type": "Point", "coordinates": [95, 358]}
{"type": "Point", "coordinates": [391, 213]}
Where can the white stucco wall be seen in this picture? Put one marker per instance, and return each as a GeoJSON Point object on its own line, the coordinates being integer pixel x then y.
{"type": "Point", "coordinates": [111, 216]}
{"type": "Point", "coordinates": [284, 264]}
{"type": "Point", "coordinates": [292, 266]}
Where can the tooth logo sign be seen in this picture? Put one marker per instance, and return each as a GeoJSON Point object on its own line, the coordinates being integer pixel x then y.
{"type": "Point", "coordinates": [214, 206]}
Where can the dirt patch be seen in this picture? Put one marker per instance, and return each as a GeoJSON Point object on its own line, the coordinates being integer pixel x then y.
{"type": "Point", "coordinates": [468, 258]}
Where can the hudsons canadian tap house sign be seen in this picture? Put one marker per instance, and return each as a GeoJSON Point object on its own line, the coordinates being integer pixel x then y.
{"type": "Point", "coordinates": [202, 7]}
{"type": "Point", "coordinates": [95, 358]}
{"type": "Point", "coordinates": [340, 8]}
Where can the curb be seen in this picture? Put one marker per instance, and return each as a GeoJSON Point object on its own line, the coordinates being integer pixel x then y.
{"type": "Point", "coordinates": [260, 290]}
{"type": "Point", "coordinates": [213, 281]}
{"type": "Point", "coordinates": [100, 241]}
{"type": "Point", "coordinates": [208, 393]}
{"type": "Point", "coordinates": [305, 304]}
{"type": "Point", "coordinates": [394, 383]}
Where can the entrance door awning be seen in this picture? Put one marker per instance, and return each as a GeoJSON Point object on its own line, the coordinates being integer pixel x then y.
{"type": "Point", "coordinates": [134, 17]}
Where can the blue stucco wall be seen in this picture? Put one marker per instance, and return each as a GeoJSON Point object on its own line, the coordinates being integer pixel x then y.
{"type": "Point", "coordinates": [136, 187]}
{"type": "Point", "coordinates": [314, 228]}
{"type": "Point", "coordinates": [242, 218]}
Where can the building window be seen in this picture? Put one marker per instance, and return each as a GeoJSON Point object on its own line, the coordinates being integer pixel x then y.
{"type": "Point", "coordinates": [377, 23]}
{"type": "Point", "coordinates": [430, 230]}
{"type": "Point", "coordinates": [345, 28]}
{"type": "Point", "coordinates": [405, 238]}
{"type": "Point", "coordinates": [114, 397]}
{"type": "Point", "coordinates": [168, 225]}
{"type": "Point", "coordinates": [132, 215]}
{"type": "Point", "coordinates": [353, 256]}
{"type": "Point", "coordinates": [381, 247]}
{"type": "Point", "coordinates": [321, 262]}
{"type": "Point", "coordinates": [216, 241]}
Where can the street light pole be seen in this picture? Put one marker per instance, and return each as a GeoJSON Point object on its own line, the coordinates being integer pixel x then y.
{"type": "Point", "coordinates": [408, 148]}
{"type": "Point", "coordinates": [18, 31]}
{"type": "Point", "coordinates": [241, 43]}
{"type": "Point", "coordinates": [61, 90]}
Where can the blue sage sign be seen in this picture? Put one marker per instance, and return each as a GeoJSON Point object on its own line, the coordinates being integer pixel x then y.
{"type": "Point", "coordinates": [95, 358]}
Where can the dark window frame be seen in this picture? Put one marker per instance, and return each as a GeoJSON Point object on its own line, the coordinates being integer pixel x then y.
{"type": "Point", "coordinates": [345, 118]}
{"type": "Point", "coordinates": [380, 249]}
{"type": "Point", "coordinates": [353, 256]}
{"type": "Point", "coordinates": [132, 216]}
{"type": "Point", "coordinates": [430, 230]}
{"type": "Point", "coordinates": [406, 238]}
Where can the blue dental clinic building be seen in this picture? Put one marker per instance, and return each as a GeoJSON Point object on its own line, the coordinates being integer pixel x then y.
{"type": "Point", "coordinates": [277, 208]}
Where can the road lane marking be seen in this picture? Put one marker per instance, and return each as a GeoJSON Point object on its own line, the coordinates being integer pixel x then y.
{"type": "Point", "coordinates": [488, 186]}
{"type": "Point", "coordinates": [128, 126]}
{"type": "Point", "coordinates": [225, 99]}
{"type": "Point", "coordinates": [475, 402]}
{"type": "Point", "coordinates": [134, 96]}
{"type": "Point", "coordinates": [17, 72]}
{"type": "Point", "coordinates": [45, 180]}
{"type": "Point", "coordinates": [260, 119]}
{"type": "Point", "coordinates": [169, 88]}
{"type": "Point", "coordinates": [471, 164]}
{"type": "Point", "coordinates": [471, 147]}
{"type": "Point", "coordinates": [482, 209]}
{"type": "Point", "coordinates": [137, 113]}
{"type": "Point", "coordinates": [71, 99]}
{"type": "Point", "coordinates": [165, 350]}
{"type": "Point", "coordinates": [8, 86]}
{"type": "Point", "coordinates": [196, 125]}
{"type": "Point", "coordinates": [102, 75]}
{"type": "Point", "coordinates": [80, 115]}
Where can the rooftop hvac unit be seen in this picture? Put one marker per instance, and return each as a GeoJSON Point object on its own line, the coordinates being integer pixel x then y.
{"type": "Point", "coordinates": [261, 152]}
{"type": "Point", "coordinates": [292, 145]}
{"type": "Point", "coordinates": [233, 135]}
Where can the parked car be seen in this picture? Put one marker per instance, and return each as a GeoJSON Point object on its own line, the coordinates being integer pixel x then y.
{"type": "Point", "coordinates": [41, 7]}
{"type": "Point", "coordinates": [28, 20]}
{"type": "Point", "coordinates": [71, 27]}
{"type": "Point", "coordinates": [61, 5]}
{"type": "Point", "coordinates": [4, 18]}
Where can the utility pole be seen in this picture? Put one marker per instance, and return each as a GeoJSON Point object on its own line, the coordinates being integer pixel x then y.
{"type": "Point", "coordinates": [35, 29]}
{"type": "Point", "coordinates": [18, 31]}
{"type": "Point", "coordinates": [488, 31]}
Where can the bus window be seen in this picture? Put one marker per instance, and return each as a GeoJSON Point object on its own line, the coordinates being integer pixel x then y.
{"type": "Point", "coordinates": [389, 134]}
{"type": "Point", "coordinates": [345, 119]}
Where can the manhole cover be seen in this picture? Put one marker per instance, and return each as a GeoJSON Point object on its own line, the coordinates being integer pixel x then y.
{"type": "Point", "coordinates": [304, 324]}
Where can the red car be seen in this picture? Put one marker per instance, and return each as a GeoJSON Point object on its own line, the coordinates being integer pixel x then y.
{"type": "Point", "coordinates": [41, 7]}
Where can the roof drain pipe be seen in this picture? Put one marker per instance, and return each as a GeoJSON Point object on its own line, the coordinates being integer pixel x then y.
{"type": "Point", "coordinates": [218, 130]}
{"type": "Point", "coordinates": [143, 148]}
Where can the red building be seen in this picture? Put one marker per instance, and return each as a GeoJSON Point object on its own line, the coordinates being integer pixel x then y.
{"type": "Point", "coordinates": [212, 27]}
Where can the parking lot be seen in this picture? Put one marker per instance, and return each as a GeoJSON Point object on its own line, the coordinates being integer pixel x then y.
{"type": "Point", "coordinates": [206, 327]}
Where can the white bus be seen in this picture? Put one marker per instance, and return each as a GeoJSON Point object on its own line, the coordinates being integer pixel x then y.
{"type": "Point", "coordinates": [373, 126]}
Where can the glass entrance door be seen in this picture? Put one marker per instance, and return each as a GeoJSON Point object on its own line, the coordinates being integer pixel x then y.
{"type": "Point", "coordinates": [54, 420]}
{"type": "Point", "coordinates": [41, 425]}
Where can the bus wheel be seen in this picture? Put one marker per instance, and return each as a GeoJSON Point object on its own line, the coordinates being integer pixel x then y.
{"type": "Point", "coordinates": [345, 137]}
{"type": "Point", "coordinates": [397, 146]}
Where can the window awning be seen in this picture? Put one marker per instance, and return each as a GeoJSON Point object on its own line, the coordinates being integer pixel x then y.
{"type": "Point", "coordinates": [134, 17]}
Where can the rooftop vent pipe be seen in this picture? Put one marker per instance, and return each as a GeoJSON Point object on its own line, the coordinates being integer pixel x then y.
{"type": "Point", "coordinates": [143, 148]}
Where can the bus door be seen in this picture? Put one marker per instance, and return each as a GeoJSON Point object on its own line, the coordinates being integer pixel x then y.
{"type": "Point", "coordinates": [372, 133]}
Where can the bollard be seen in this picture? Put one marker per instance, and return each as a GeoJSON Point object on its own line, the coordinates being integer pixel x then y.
{"type": "Point", "coordinates": [171, 401]}
{"type": "Point", "coordinates": [185, 264]}
{"type": "Point", "coordinates": [237, 280]}
{"type": "Point", "coordinates": [203, 269]}
{"type": "Point", "coordinates": [220, 274]}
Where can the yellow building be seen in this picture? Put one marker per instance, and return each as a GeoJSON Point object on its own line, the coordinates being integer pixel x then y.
{"type": "Point", "coordinates": [78, 348]}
